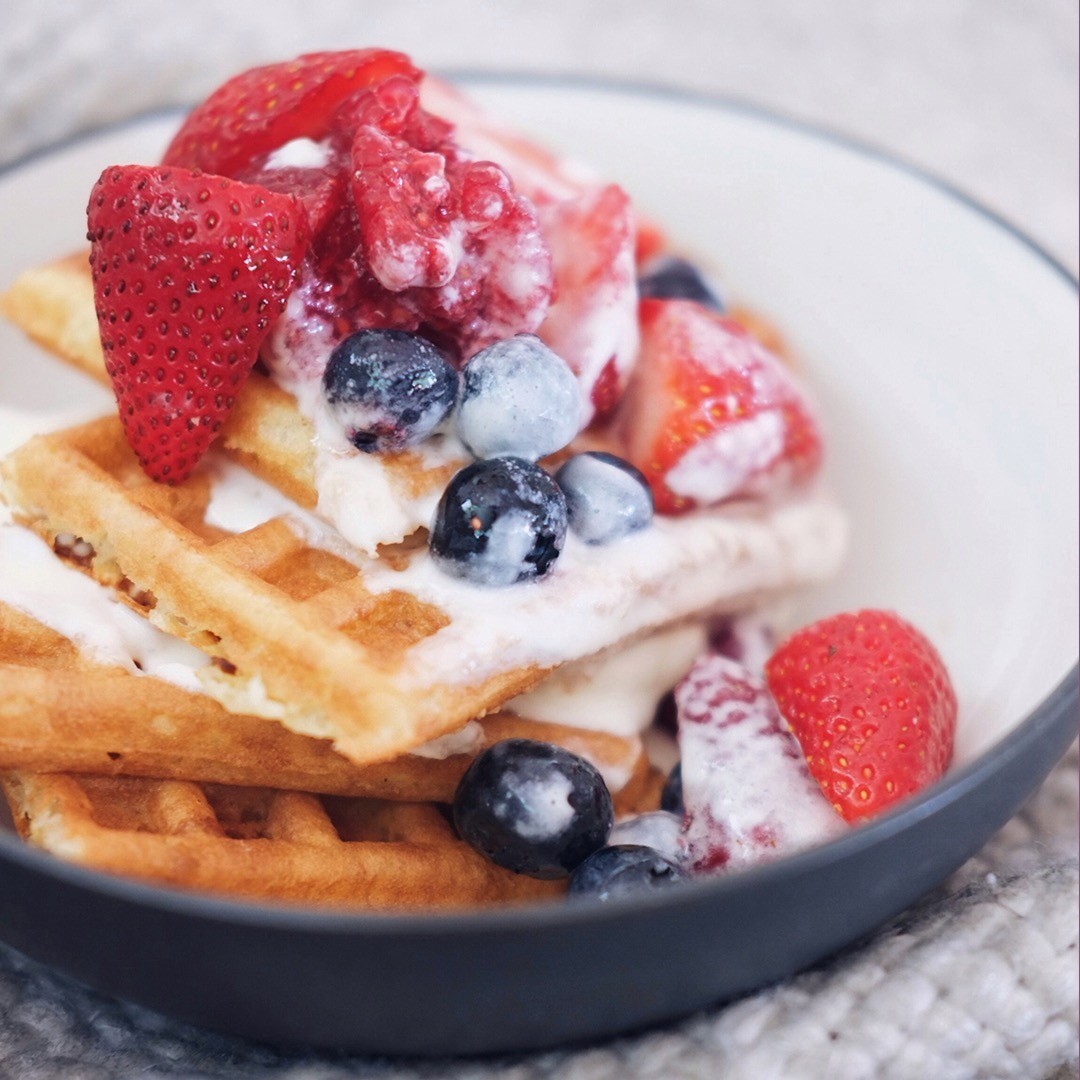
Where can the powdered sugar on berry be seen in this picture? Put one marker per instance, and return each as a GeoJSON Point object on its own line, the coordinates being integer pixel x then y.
{"type": "Point", "coordinates": [748, 794]}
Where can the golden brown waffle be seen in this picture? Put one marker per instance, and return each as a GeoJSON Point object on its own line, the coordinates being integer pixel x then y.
{"type": "Point", "coordinates": [61, 712]}
{"type": "Point", "coordinates": [54, 306]}
{"type": "Point", "coordinates": [297, 635]}
{"type": "Point", "coordinates": [283, 846]}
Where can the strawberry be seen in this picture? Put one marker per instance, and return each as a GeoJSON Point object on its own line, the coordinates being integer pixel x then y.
{"type": "Point", "coordinates": [592, 324]}
{"type": "Point", "coordinates": [871, 704]}
{"type": "Point", "coordinates": [189, 272]}
{"type": "Point", "coordinates": [264, 108]}
{"type": "Point", "coordinates": [711, 415]}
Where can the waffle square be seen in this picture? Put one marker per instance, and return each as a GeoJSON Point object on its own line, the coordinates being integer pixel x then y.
{"type": "Point", "coordinates": [284, 846]}
{"type": "Point", "coordinates": [381, 655]}
{"type": "Point", "coordinates": [62, 712]}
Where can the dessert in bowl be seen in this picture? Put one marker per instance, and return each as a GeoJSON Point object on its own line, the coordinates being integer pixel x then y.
{"type": "Point", "coordinates": [875, 597]}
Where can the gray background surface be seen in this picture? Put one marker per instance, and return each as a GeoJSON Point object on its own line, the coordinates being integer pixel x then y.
{"type": "Point", "coordinates": [981, 92]}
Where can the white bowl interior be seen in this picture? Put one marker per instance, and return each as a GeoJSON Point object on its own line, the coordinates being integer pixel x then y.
{"type": "Point", "coordinates": [942, 350]}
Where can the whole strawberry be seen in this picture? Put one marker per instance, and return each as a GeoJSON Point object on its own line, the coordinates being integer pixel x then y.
{"type": "Point", "coordinates": [871, 703]}
{"type": "Point", "coordinates": [189, 272]}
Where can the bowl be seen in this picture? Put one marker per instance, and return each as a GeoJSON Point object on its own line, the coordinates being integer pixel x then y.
{"type": "Point", "coordinates": [941, 344]}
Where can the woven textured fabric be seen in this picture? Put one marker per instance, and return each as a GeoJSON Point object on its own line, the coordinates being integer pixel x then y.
{"type": "Point", "coordinates": [978, 981]}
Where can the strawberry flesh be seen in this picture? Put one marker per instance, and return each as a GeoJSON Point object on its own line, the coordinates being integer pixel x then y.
{"type": "Point", "coordinates": [189, 272]}
{"type": "Point", "coordinates": [711, 414]}
{"type": "Point", "coordinates": [871, 702]}
{"type": "Point", "coordinates": [593, 324]}
{"type": "Point", "coordinates": [264, 108]}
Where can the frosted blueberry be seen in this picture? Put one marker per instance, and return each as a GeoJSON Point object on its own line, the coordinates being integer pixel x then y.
{"type": "Point", "coordinates": [672, 278]}
{"type": "Point", "coordinates": [389, 389]}
{"type": "Point", "coordinates": [533, 808]}
{"type": "Point", "coordinates": [500, 521]}
{"type": "Point", "coordinates": [623, 870]}
{"type": "Point", "coordinates": [606, 497]}
{"type": "Point", "coordinates": [518, 398]}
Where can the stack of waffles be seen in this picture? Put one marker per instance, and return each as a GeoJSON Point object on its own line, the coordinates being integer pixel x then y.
{"type": "Point", "coordinates": [330, 698]}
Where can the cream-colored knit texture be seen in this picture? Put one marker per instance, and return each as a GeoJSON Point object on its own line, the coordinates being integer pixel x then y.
{"type": "Point", "coordinates": [980, 981]}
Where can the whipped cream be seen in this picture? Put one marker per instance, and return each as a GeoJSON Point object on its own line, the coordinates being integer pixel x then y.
{"type": "Point", "coordinates": [38, 584]}
{"type": "Point", "coordinates": [618, 690]}
{"type": "Point", "coordinates": [598, 596]}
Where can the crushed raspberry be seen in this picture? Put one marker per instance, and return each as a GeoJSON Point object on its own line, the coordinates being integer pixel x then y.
{"type": "Point", "coordinates": [449, 234]}
{"type": "Point", "coordinates": [410, 233]}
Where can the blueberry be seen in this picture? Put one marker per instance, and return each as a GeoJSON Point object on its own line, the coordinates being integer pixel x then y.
{"type": "Point", "coordinates": [389, 389]}
{"type": "Point", "coordinates": [623, 870]}
{"type": "Point", "coordinates": [606, 497]}
{"type": "Point", "coordinates": [671, 797]}
{"type": "Point", "coordinates": [518, 398]}
{"type": "Point", "coordinates": [499, 521]}
{"type": "Point", "coordinates": [659, 830]}
{"type": "Point", "coordinates": [533, 807]}
{"type": "Point", "coordinates": [671, 278]}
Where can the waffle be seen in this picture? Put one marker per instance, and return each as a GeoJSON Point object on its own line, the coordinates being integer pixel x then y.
{"type": "Point", "coordinates": [54, 306]}
{"type": "Point", "coordinates": [383, 655]}
{"type": "Point", "coordinates": [62, 712]}
{"type": "Point", "coordinates": [284, 846]}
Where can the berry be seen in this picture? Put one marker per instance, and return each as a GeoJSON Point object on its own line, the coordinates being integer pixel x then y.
{"type": "Point", "coordinates": [606, 497]}
{"type": "Point", "coordinates": [593, 321]}
{"type": "Point", "coordinates": [500, 521]}
{"type": "Point", "coordinates": [870, 700]}
{"type": "Point", "coordinates": [671, 798]}
{"type": "Point", "coordinates": [672, 278]}
{"type": "Point", "coordinates": [189, 272]}
{"type": "Point", "coordinates": [659, 830]}
{"type": "Point", "coordinates": [748, 796]}
{"type": "Point", "coordinates": [449, 232]}
{"type": "Point", "coordinates": [518, 398]}
{"type": "Point", "coordinates": [623, 870]}
{"type": "Point", "coordinates": [711, 414]}
{"type": "Point", "coordinates": [388, 388]}
{"type": "Point", "coordinates": [264, 108]}
{"type": "Point", "coordinates": [533, 808]}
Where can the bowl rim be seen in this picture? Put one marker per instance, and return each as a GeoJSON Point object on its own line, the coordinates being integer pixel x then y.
{"type": "Point", "coordinates": [1045, 718]}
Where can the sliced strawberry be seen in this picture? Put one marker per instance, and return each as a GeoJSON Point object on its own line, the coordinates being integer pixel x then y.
{"type": "Point", "coordinates": [593, 323]}
{"type": "Point", "coordinates": [870, 701]}
{"type": "Point", "coordinates": [189, 272]}
{"type": "Point", "coordinates": [651, 241]}
{"type": "Point", "coordinates": [264, 108]}
{"type": "Point", "coordinates": [321, 191]}
{"type": "Point", "coordinates": [711, 414]}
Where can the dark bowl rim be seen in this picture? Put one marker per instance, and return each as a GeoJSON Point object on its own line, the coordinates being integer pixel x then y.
{"type": "Point", "coordinates": [1046, 717]}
